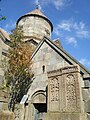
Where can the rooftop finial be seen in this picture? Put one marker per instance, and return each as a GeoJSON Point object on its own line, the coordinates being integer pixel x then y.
{"type": "Point", "coordinates": [37, 4]}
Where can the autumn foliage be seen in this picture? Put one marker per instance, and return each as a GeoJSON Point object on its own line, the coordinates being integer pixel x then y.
{"type": "Point", "coordinates": [18, 74]}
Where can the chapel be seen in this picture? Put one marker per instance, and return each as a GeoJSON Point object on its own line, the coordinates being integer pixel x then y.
{"type": "Point", "coordinates": [61, 86]}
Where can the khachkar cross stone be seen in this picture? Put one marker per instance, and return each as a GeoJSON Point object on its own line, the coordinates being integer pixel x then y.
{"type": "Point", "coordinates": [54, 94]}
{"type": "Point", "coordinates": [71, 92]}
{"type": "Point", "coordinates": [54, 89]}
{"type": "Point", "coordinates": [64, 90]}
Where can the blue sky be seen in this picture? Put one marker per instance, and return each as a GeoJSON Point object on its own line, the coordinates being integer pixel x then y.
{"type": "Point", "coordinates": [70, 18]}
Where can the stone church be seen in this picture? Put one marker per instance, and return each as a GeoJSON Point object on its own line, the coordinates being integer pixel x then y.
{"type": "Point", "coordinates": [61, 86]}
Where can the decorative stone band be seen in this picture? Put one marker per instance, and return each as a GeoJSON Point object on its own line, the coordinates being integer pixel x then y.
{"type": "Point", "coordinates": [64, 70]}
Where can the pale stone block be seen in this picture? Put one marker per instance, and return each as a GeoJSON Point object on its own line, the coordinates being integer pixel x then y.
{"type": "Point", "coordinates": [87, 106]}
{"type": "Point", "coordinates": [22, 111]}
{"type": "Point", "coordinates": [85, 94]}
{"type": "Point", "coordinates": [63, 116]}
{"type": "Point", "coordinates": [1, 79]}
{"type": "Point", "coordinates": [1, 72]}
{"type": "Point", "coordinates": [1, 103]}
{"type": "Point", "coordinates": [88, 116]}
{"type": "Point", "coordinates": [6, 115]}
{"type": "Point", "coordinates": [50, 67]}
{"type": "Point", "coordinates": [87, 83]}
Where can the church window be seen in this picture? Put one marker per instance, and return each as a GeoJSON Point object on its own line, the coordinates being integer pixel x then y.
{"type": "Point", "coordinates": [43, 68]}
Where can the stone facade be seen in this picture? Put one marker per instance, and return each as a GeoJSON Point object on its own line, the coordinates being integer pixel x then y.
{"type": "Point", "coordinates": [57, 87]}
{"type": "Point", "coordinates": [3, 50]}
{"type": "Point", "coordinates": [6, 115]}
{"type": "Point", "coordinates": [61, 85]}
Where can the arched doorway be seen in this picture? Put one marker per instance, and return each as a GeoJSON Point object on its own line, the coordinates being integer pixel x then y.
{"type": "Point", "coordinates": [40, 105]}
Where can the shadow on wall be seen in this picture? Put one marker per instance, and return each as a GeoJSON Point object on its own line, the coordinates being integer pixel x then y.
{"type": "Point", "coordinates": [6, 115]}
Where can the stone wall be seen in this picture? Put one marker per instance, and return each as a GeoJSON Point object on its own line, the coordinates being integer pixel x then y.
{"type": "Point", "coordinates": [3, 95]}
{"type": "Point", "coordinates": [35, 27]}
{"type": "Point", "coordinates": [86, 99]}
{"type": "Point", "coordinates": [46, 59]}
{"type": "Point", "coordinates": [3, 48]}
{"type": "Point", "coordinates": [6, 115]}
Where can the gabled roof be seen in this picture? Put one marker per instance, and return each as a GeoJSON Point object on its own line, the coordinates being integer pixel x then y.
{"type": "Point", "coordinates": [58, 43]}
{"type": "Point", "coordinates": [4, 34]}
{"type": "Point", "coordinates": [62, 52]}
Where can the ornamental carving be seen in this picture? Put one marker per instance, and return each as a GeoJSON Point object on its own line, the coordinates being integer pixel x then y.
{"type": "Point", "coordinates": [71, 92]}
{"type": "Point", "coordinates": [54, 89]}
{"type": "Point", "coordinates": [64, 90]}
{"type": "Point", "coordinates": [17, 112]}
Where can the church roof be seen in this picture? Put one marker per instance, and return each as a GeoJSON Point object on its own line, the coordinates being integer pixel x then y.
{"type": "Point", "coordinates": [63, 53]}
{"type": "Point", "coordinates": [37, 13]}
{"type": "Point", "coordinates": [58, 43]}
{"type": "Point", "coordinates": [4, 34]}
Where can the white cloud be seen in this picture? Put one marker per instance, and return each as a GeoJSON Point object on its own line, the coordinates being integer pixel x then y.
{"type": "Point", "coordinates": [82, 25]}
{"type": "Point", "coordinates": [70, 24]}
{"type": "Point", "coordinates": [83, 34]}
{"type": "Point", "coordinates": [56, 31]}
{"type": "Point", "coordinates": [85, 62]}
{"type": "Point", "coordinates": [71, 40]}
{"type": "Point", "coordinates": [65, 25]}
{"type": "Point", "coordinates": [73, 28]}
{"type": "Point", "coordinates": [59, 4]}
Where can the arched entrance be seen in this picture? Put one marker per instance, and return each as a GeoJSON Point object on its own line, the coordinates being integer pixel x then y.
{"type": "Point", "coordinates": [40, 105]}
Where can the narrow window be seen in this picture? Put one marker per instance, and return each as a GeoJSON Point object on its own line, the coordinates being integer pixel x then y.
{"type": "Point", "coordinates": [43, 68]}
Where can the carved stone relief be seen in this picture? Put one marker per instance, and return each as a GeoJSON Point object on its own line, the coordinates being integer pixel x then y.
{"type": "Point", "coordinates": [39, 97]}
{"type": "Point", "coordinates": [71, 92]}
{"type": "Point", "coordinates": [64, 89]}
{"type": "Point", "coordinates": [17, 112]}
{"type": "Point", "coordinates": [53, 94]}
{"type": "Point", "coordinates": [54, 89]}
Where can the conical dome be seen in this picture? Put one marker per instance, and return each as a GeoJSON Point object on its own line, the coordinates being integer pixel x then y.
{"type": "Point", "coordinates": [36, 12]}
{"type": "Point", "coordinates": [35, 25]}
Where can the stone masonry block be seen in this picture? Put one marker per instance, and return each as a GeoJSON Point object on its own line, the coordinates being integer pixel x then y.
{"type": "Point", "coordinates": [86, 94]}
{"type": "Point", "coordinates": [88, 116]}
{"type": "Point", "coordinates": [87, 106]}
